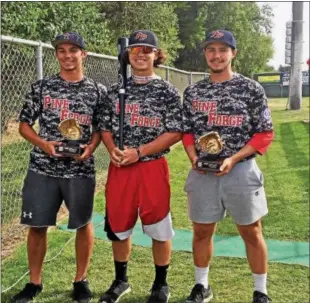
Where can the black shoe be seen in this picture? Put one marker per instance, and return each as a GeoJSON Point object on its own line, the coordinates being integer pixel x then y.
{"type": "Point", "coordinates": [28, 293]}
{"type": "Point", "coordinates": [159, 294]}
{"type": "Point", "coordinates": [259, 297]}
{"type": "Point", "coordinates": [199, 294]}
{"type": "Point", "coordinates": [81, 292]}
{"type": "Point", "coordinates": [115, 292]}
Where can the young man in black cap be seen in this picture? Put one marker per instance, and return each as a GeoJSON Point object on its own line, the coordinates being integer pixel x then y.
{"type": "Point", "coordinates": [236, 108]}
{"type": "Point", "coordinates": [138, 178]}
{"type": "Point", "coordinates": [51, 177]}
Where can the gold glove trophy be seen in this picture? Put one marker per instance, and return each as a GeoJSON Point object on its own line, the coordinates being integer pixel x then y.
{"type": "Point", "coordinates": [71, 131]}
{"type": "Point", "coordinates": [210, 145]}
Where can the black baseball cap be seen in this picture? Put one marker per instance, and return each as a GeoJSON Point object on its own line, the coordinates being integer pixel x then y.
{"type": "Point", "coordinates": [221, 35]}
{"type": "Point", "coordinates": [69, 37]}
{"type": "Point", "coordinates": [143, 37]}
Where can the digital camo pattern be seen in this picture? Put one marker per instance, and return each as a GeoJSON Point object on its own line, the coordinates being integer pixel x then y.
{"type": "Point", "coordinates": [61, 100]}
{"type": "Point", "coordinates": [236, 109]}
{"type": "Point", "coordinates": [151, 110]}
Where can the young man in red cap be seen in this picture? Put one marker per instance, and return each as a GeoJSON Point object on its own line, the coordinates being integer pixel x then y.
{"type": "Point", "coordinates": [138, 178]}
{"type": "Point", "coordinates": [235, 107]}
{"type": "Point", "coordinates": [51, 177]}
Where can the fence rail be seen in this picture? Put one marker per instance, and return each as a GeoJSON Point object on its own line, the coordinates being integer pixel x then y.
{"type": "Point", "coordinates": [23, 62]}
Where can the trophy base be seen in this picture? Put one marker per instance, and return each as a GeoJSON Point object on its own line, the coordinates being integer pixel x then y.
{"type": "Point", "coordinates": [206, 165]}
{"type": "Point", "coordinates": [69, 150]}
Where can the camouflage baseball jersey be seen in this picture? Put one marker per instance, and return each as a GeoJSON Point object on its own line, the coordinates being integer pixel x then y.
{"type": "Point", "coordinates": [151, 110]}
{"type": "Point", "coordinates": [236, 109]}
{"type": "Point", "coordinates": [62, 100]}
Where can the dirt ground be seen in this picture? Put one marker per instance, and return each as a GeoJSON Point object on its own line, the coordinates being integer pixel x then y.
{"type": "Point", "coordinates": [11, 135]}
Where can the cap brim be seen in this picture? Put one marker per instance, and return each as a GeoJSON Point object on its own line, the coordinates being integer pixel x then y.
{"type": "Point", "coordinates": [205, 43]}
{"type": "Point", "coordinates": [142, 44]}
{"type": "Point", "coordinates": [58, 42]}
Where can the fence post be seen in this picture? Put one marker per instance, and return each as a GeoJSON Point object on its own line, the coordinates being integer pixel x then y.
{"type": "Point", "coordinates": [190, 78]}
{"type": "Point", "coordinates": [39, 62]}
{"type": "Point", "coordinates": [167, 73]}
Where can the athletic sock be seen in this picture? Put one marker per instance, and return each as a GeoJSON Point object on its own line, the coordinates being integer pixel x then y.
{"type": "Point", "coordinates": [202, 276]}
{"type": "Point", "coordinates": [161, 274]}
{"type": "Point", "coordinates": [260, 283]}
{"type": "Point", "coordinates": [121, 271]}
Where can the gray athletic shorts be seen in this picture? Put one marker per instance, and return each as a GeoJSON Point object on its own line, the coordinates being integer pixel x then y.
{"type": "Point", "coordinates": [43, 196]}
{"type": "Point", "coordinates": [240, 192]}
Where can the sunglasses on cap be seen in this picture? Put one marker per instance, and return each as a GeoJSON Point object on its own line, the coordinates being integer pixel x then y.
{"type": "Point", "coordinates": [144, 49]}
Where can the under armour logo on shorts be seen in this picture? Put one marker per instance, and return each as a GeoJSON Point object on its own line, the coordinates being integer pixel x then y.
{"type": "Point", "coordinates": [29, 215]}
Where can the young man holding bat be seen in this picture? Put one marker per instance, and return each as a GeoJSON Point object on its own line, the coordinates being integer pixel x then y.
{"type": "Point", "coordinates": [228, 116]}
{"type": "Point", "coordinates": [71, 103]}
{"type": "Point", "coordinates": [138, 178]}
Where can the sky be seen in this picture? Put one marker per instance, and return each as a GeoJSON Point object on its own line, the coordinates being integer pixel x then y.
{"type": "Point", "coordinates": [283, 13]}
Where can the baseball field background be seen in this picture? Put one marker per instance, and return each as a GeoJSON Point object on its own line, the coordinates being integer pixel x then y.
{"type": "Point", "coordinates": [286, 171]}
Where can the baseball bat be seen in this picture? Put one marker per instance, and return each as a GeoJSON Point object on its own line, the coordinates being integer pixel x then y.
{"type": "Point", "coordinates": [122, 44]}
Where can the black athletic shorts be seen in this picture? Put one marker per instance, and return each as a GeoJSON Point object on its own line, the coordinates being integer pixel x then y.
{"type": "Point", "coordinates": [43, 196]}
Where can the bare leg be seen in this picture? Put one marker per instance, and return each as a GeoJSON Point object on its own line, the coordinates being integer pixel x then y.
{"type": "Point", "coordinates": [203, 243]}
{"type": "Point", "coordinates": [36, 247]}
{"type": "Point", "coordinates": [121, 250]}
{"type": "Point", "coordinates": [84, 243]}
{"type": "Point", "coordinates": [256, 248]}
{"type": "Point", "coordinates": [161, 252]}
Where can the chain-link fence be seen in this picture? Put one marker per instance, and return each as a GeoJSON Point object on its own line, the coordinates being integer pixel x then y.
{"type": "Point", "coordinates": [23, 62]}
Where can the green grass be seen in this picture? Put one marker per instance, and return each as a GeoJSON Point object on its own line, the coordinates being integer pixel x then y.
{"type": "Point", "coordinates": [14, 164]}
{"type": "Point", "coordinates": [286, 171]}
{"type": "Point", "coordinates": [230, 277]}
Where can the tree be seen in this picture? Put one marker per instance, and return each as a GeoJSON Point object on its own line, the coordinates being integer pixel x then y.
{"type": "Point", "coordinates": [250, 24]}
{"type": "Point", "coordinates": [180, 26]}
{"type": "Point", "coordinates": [44, 20]}
{"type": "Point", "coordinates": [192, 18]}
{"type": "Point", "coordinates": [126, 17]}
{"type": "Point", "coordinates": [267, 69]}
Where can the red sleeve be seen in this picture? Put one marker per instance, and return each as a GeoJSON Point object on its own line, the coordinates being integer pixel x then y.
{"type": "Point", "coordinates": [261, 141]}
{"type": "Point", "coordinates": [188, 139]}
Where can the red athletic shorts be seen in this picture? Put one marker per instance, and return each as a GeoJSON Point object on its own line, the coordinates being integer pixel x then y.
{"type": "Point", "coordinates": [143, 189]}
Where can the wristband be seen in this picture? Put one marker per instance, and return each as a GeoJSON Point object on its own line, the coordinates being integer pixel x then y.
{"type": "Point", "coordinates": [139, 153]}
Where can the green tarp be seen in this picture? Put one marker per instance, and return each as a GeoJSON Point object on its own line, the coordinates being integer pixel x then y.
{"type": "Point", "coordinates": [224, 246]}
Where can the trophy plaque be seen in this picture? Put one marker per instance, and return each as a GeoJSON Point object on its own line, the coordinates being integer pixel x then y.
{"type": "Point", "coordinates": [210, 146]}
{"type": "Point", "coordinates": [72, 133]}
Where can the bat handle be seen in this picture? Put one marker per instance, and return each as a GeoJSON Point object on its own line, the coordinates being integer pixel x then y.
{"type": "Point", "coordinates": [121, 117]}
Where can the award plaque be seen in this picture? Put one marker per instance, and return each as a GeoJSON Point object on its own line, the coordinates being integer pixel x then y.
{"type": "Point", "coordinates": [72, 133]}
{"type": "Point", "coordinates": [210, 146]}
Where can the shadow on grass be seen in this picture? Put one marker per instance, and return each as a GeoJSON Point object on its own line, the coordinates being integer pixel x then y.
{"type": "Point", "coordinates": [60, 296]}
{"type": "Point", "coordinates": [307, 127]}
{"type": "Point", "coordinates": [47, 296]}
{"type": "Point", "coordinates": [296, 157]}
{"type": "Point", "coordinates": [56, 296]}
{"type": "Point", "coordinates": [286, 205]}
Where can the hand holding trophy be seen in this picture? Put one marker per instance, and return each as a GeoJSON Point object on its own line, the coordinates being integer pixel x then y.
{"type": "Point", "coordinates": [71, 131]}
{"type": "Point", "coordinates": [210, 145]}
